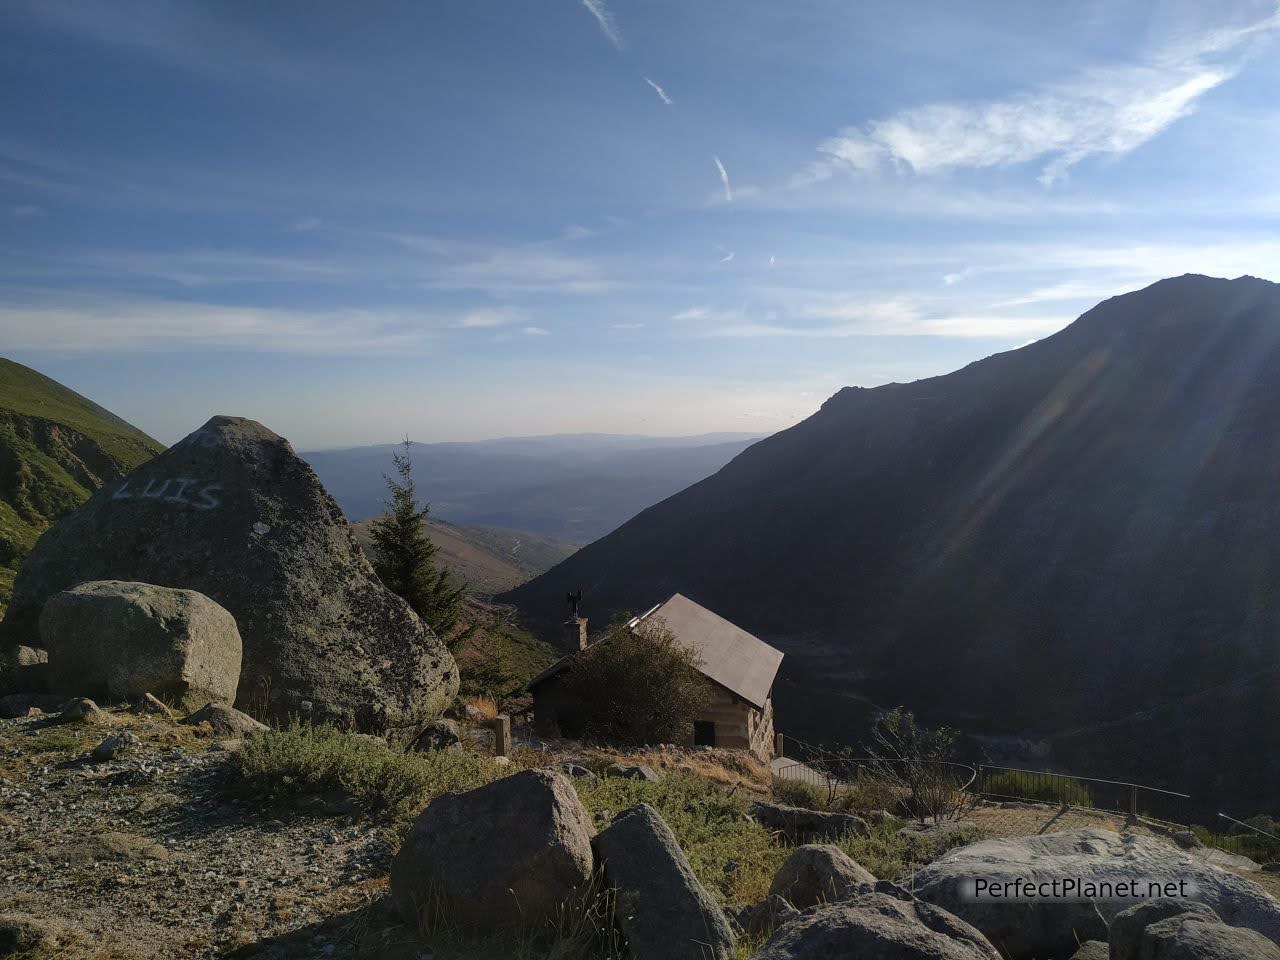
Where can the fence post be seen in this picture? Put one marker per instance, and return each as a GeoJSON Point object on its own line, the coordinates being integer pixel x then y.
{"type": "Point", "coordinates": [1133, 801]}
{"type": "Point", "coordinates": [777, 746]}
{"type": "Point", "coordinates": [502, 735]}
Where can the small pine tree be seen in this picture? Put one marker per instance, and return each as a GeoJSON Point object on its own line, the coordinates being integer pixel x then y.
{"type": "Point", "coordinates": [405, 558]}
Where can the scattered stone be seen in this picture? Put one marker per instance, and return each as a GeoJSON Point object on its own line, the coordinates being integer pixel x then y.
{"type": "Point", "coordinates": [122, 640]}
{"type": "Point", "coordinates": [23, 668]}
{"type": "Point", "coordinates": [1092, 950]}
{"type": "Point", "coordinates": [800, 825]}
{"type": "Point", "coordinates": [152, 704]}
{"type": "Point", "coordinates": [226, 722]}
{"type": "Point", "coordinates": [632, 772]}
{"type": "Point", "coordinates": [878, 926]}
{"type": "Point", "coordinates": [575, 769]}
{"type": "Point", "coordinates": [512, 852]}
{"type": "Point", "coordinates": [232, 512]}
{"type": "Point", "coordinates": [437, 735]}
{"type": "Point", "coordinates": [664, 912]}
{"type": "Point", "coordinates": [82, 710]}
{"type": "Point", "coordinates": [1186, 839]}
{"type": "Point", "coordinates": [818, 873]}
{"type": "Point", "coordinates": [501, 761]}
{"type": "Point", "coordinates": [1055, 927]}
{"type": "Point", "coordinates": [876, 817]}
{"type": "Point", "coordinates": [762, 919]}
{"type": "Point", "coordinates": [1127, 925]}
{"type": "Point", "coordinates": [114, 745]}
{"type": "Point", "coordinates": [22, 704]}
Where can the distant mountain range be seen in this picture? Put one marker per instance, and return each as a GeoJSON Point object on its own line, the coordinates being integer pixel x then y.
{"type": "Point", "coordinates": [569, 487]}
{"type": "Point", "coordinates": [56, 447]}
{"type": "Point", "coordinates": [1074, 544]}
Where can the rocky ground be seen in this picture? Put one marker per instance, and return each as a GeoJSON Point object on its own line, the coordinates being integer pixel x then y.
{"type": "Point", "coordinates": [151, 855]}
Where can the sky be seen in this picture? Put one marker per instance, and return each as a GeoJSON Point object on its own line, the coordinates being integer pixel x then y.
{"type": "Point", "coordinates": [469, 218]}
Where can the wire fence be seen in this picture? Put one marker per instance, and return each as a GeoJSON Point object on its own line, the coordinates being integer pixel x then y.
{"type": "Point", "coordinates": [1134, 800]}
{"type": "Point", "coordinates": [931, 788]}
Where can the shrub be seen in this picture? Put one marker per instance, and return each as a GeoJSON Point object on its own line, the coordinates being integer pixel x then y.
{"type": "Point", "coordinates": [893, 855]}
{"type": "Point", "coordinates": [306, 759]}
{"type": "Point", "coordinates": [799, 793]}
{"type": "Point", "coordinates": [636, 687]}
{"type": "Point", "coordinates": [732, 856]}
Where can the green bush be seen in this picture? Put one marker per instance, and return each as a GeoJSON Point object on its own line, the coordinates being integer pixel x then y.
{"type": "Point", "coordinates": [891, 855]}
{"type": "Point", "coordinates": [799, 793]}
{"type": "Point", "coordinates": [1033, 787]}
{"type": "Point", "coordinates": [305, 759]}
{"type": "Point", "coordinates": [732, 856]}
{"type": "Point", "coordinates": [634, 688]}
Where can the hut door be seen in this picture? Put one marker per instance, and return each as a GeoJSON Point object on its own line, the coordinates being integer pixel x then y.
{"type": "Point", "coordinates": [704, 733]}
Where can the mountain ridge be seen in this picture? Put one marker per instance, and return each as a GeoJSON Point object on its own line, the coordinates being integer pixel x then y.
{"type": "Point", "coordinates": [1046, 534]}
{"type": "Point", "coordinates": [56, 447]}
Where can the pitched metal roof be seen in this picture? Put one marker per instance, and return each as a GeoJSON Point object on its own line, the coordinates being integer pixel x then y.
{"type": "Point", "coordinates": [741, 663]}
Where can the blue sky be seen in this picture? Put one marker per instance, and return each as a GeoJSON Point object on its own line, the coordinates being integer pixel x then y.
{"type": "Point", "coordinates": [463, 219]}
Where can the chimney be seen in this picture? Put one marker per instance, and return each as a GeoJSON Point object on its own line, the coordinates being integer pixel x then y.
{"type": "Point", "coordinates": [577, 629]}
{"type": "Point", "coordinates": [576, 625]}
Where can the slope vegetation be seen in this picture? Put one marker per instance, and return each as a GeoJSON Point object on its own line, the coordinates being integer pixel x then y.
{"type": "Point", "coordinates": [1077, 541]}
{"type": "Point", "coordinates": [56, 447]}
{"type": "Point", "coordinates": [488, 559]}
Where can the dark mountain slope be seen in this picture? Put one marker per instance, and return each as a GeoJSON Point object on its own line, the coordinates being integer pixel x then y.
{"type": "Point", "coordinates": [1049, 539]}
{"type": "Point", "coordinates": [56, 447]}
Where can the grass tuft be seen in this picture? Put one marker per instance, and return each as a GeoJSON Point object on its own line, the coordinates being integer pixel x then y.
{"type": "Point", "coordinates": [306, 759]}
{"type": "Point", "coordinates": [732, 856]}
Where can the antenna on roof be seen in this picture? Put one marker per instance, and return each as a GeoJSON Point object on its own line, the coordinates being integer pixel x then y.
{"type": "Point", "coordinates": [573, 599]}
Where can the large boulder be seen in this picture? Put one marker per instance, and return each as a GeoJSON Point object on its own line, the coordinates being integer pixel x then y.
{"type": "Point", "coordinates": [513, 852]}
{"type": "Point", "coordinates": [1189, 936]}
{"type": "Point", "coordinates": [1127, 926]}
{"type": "Point", "coordinates": [232, 512]}
{"type": "Point", "coordinates": [664, 912]}
{"type": "Point", "coordinates": [878, 926]}
{"type": "Point", "coordinates": [118, 640]}
{"type": "Point", "coordinates": [801, 825]}
{"type": "Point", "coordinates": [817, 873]}
{"type": "Point", "coordinates": [1096, 874]}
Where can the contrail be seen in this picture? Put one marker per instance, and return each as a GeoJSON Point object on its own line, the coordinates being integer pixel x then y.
{"type": "Point", "coordinates": [605, 19]}
{"type": "Point", "coordinates": [659, 91]}
{"type": "Point", "coordinates": [724, 175]}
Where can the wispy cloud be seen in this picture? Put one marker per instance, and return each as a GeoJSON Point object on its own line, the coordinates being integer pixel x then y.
{"type": "Point", "coordinates": [306, 224]}
{"type": "Point", "coordinates": [724, 178]}
{"type": "Point", "coordinates": [1107, 111]}
{"type": "Point", "coordinates": [26, 210]}
{"type": "Point", "coordinates": [607, 25]}
{"type": "Point", "coordinates": [662, 94]}
{"type": "Point", "coordinates": [168, 325]}
{"type": "Point", "coordinates": [536, 331]}
{"type": "Point", "coordinates": [488, 317]}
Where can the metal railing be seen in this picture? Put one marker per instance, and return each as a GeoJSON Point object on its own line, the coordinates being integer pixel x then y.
{"type": "Point", "coordinates": [875, 780]}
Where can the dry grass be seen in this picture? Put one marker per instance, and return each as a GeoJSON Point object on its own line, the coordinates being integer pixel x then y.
{"type": "Point", "coordinates": [487, 707]}
{"type": "Point", "coordinates": [723, 768]}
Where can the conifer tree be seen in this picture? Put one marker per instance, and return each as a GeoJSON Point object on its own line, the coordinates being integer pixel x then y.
{"type": "Point", "coordinates": [405, 558]}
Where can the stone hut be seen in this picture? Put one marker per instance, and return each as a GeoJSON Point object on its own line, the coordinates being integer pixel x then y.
{"type": "Point", "coordinates": [740, 667]}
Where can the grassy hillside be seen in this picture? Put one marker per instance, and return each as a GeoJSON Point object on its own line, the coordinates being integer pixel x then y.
{"type": "Point", "coordinates": [56, 448]}
{"type": "Point", "coordinates": [489, 559]}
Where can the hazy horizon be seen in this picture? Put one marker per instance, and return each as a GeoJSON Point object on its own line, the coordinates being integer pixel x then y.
{"type": "Point", "coordinates": [464, 222]}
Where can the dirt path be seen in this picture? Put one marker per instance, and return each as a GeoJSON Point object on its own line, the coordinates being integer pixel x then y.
{"type": "Point", "coordinates": [148, 855]}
